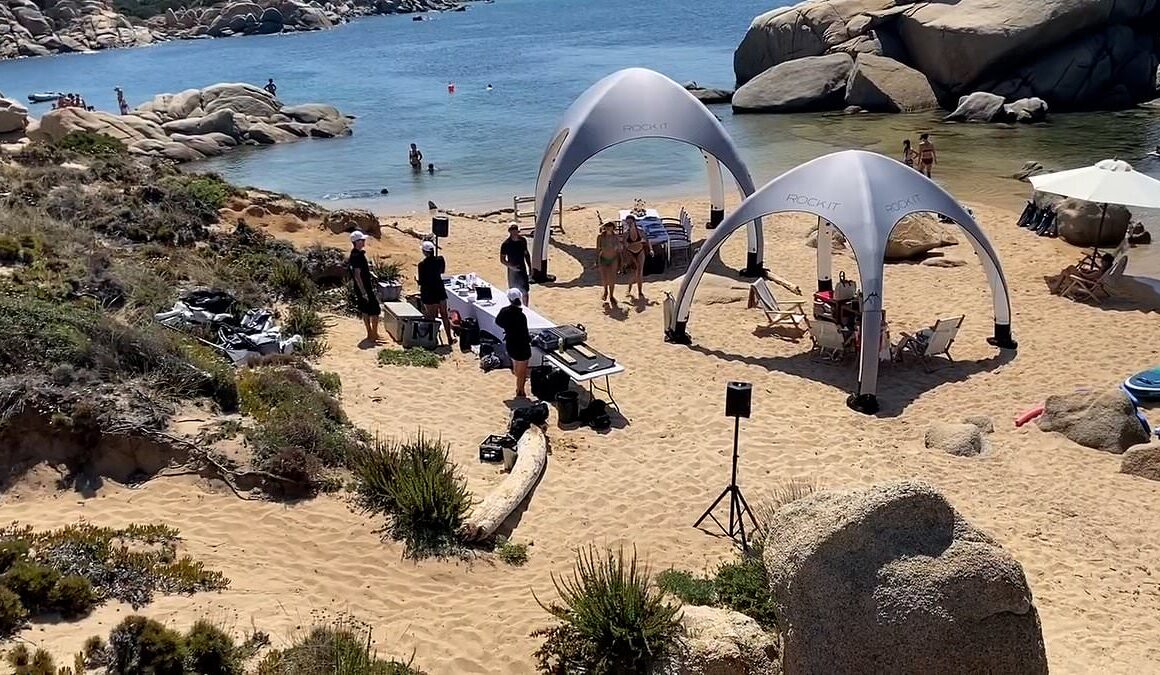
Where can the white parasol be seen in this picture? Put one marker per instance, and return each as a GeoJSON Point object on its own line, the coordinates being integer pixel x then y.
{"type": "Point", "coordinates": [1111, 181]}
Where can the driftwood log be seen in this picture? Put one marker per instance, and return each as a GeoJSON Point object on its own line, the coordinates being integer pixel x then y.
{"type": "Point", "coordinates": [488, 515]}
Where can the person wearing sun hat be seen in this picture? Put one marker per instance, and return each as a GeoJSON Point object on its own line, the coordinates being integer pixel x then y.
{"type": "Point", "coordinates": [516, 338]}
{"type": "Point", "coordinates": [432, 292]}
{"type": "Point", "coordinates": [366, 299]}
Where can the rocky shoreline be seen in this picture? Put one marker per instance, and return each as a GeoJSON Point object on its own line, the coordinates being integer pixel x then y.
{"type": "Point", "coordinates": [905, 56]}
{"type": "Point", "coordinates": [62, 26]}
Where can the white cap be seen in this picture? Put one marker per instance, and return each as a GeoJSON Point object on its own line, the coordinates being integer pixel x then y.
{"type": "Point", "coordinates": [428, 247]}
{"type": "Point", "coordinates": [357, 235]}
{"type": "Point", "coordinates": [515, 294]}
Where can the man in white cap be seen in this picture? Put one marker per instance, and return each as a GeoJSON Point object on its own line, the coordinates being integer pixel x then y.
{"type": "Point", "coordinates": [513, 253]}
{"type": "Point", "coordinates": [366, 299]}
{"type": "Point", "coordinates": [516, 338]}
{"type": "Point", "coordinates": [432, 292]}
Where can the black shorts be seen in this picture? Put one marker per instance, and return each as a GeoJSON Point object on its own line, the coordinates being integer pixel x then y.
{"type": "Point", "coordinates": [519, 352]}
{"type": "Point", "coordinates": [368, 306]}
{"type": "Point", "coordinates": [433, 296]}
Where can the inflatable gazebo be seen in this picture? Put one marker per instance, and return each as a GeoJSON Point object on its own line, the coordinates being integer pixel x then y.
{"type": "Point", "coordinates": [627, 105]}
{"type": "Point", "coordinates": [863, 195]}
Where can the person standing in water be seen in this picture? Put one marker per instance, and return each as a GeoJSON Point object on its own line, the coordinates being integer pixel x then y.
{"type": "Point", "coordinates": [927, 157]}
{"type": "Point", "coordinates": [271, 87]}
{"type": "Point", "coordinates": [415, 158]}
{"type": "Point", "coordinates": [908, 153]}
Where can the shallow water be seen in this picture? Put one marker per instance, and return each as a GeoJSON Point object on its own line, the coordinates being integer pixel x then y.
{"type": "Point", "coordinates": [538, 55]}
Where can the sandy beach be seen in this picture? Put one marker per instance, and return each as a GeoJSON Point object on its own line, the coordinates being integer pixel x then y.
{"type": "Point", "coordinates": [1087, 536]}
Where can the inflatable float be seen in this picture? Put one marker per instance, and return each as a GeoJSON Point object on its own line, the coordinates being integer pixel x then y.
{"type": "Point", "coordinates": [1145, 385]}
{"type": "Point", "coordinates": [44, 96]}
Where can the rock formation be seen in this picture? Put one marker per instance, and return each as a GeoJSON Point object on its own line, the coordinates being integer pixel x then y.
{"type": "Point", "coordinates": [1142, 461]}
{"type": "Point", "coordinates": [199, 123]}
{"type": "Point", "coordinates": [917, 235]}
{"type": "Point", "coordinates": [59, 26]}
{"type": "Point", "coordinates": [802, 85]}
{"type": "Point", "coordinates": [960, 440]}
{"type": "Point", "coordinates": [891, 579]}
{"type": "Point", "coordinates": [881, 84]}
{"type": "Point", "coordinates": [722, 642]}
{"type": "Point", "coordinates": [1104, 420]}
{"type": "Point", "coordinates": [1083, 223]}
{"type": "Point", "coordinates": [1072, 54]}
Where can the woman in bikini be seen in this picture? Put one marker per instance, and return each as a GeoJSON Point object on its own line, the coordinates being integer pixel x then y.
{"type": "Point", "coordinates": [607, 259]}
{"type": "Point", "coordinates": [927, 157]}
{"type": "Point", "coordinates": [635, 245]}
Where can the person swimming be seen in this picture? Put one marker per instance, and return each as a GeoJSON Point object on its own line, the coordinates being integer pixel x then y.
{"type": "Point", "coordinates": [431, 168]}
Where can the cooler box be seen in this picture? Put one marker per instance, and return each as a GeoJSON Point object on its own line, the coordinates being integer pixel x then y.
{"type": "Point", "coordinates": [408, 326]}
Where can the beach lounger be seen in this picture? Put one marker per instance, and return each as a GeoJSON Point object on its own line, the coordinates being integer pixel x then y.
{"type": "Point", "coordinates": [828, 341]}
{"type": "Point", "coordinates": [779, 313]}
{"type": "Point", "coordinates": [1081, 288]}
{"type": "Point", "coordinates": [931, 342]}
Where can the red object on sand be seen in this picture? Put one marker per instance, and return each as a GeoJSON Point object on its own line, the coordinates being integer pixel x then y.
{"type": "Point", "coordinates": [1029, 415]}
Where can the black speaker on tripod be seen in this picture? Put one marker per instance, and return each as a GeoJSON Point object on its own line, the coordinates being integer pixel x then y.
{"type": "Point", "coordinates": [738, 399]}
{"type": "Point", "coordinates": [440, 227]}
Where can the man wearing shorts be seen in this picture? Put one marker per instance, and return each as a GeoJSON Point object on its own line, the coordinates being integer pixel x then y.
{"type": "Point", "coordinates": [366, 299]}
{"type": "Point", "coordinates": [432, 292]}
{"type": "Point", "coordinates": [513, 253]}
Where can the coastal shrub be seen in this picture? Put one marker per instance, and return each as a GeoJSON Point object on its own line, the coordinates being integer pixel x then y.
{"type": "Point", "coordinates": [141, 645]}
{"type": "Point", "coordinates": [129, 564]}
{"type": "Point", "coordinates": [13, 614]}
{"type": "Point", "coordinates": [611, 618]}
{"type": "Point", "coordinates": [91, 144]}
{"type": "Point", "coordinates": [211, 651]}
{"type": "Point", "coordinates": [289, 280]}
{"type": "Point", "coordinates": [33, 582]}
{"type": "Point", "coordinates": [72, 597]}
{"type": "Point", "coordinates": [430, 498]}
{"type": "Point", "coordinates": [12, 551]}
{"type": "Point", "coordinates": [25, 662]}
{"type": "Point", "coordinates": [412, 356]}
{"type": "Point", "coordinates": [93, 654]}
{"type": "Point", "coordinates": [743, 586]}
{"type": "Point", "coordinates": [687, 587]}
{"type": "Point", "coordinates": [344, 647]}
{"type": "Point", "coordinates": [376, 466]}
{"type": "Point", "coordinates": [330, 382]}
{"type": "Point", "coordinates": [510, 552]}
{"type": "Point", "coordinates": [304, 320]}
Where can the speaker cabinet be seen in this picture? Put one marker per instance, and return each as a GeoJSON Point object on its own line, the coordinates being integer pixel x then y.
{"type": "Point", "coordinates": [440, 226]}
{"type": "Point", "coordinates": [738, 396]}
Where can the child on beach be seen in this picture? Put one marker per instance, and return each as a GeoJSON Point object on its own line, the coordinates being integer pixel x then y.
{"type": "Point", "coordinates": [908, 153]}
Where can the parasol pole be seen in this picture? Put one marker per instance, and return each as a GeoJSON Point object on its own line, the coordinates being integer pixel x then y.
{"type": "Point", "coordinates": [1100, 233]}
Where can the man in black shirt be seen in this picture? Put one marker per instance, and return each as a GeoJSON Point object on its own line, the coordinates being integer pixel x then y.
{"type": "Point", "coordinates": [366, 299]}
{"type": "Point", "coordinates": [516, 339]}
{"type": "Point", "coordinates": [513, 253]}
{"type": "Point", "coordinates": [432, 292]}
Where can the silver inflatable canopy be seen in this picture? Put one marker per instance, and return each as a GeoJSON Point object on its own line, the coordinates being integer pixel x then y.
{"type": "Point", "coordinates": [863, 195]}
{"type": "Point", "coordinates": [630, 104]}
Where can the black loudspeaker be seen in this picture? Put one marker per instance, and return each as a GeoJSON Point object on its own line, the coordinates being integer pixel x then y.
{"type": "Point", "coordinates": [738, 396]}
{"type": "Point", "coordinates": [440, 226]}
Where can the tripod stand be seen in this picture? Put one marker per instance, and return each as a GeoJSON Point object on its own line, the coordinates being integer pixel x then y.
{"type": "Point", "coordinates": [738, 507]}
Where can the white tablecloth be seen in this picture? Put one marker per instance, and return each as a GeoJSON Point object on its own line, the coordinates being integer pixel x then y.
{"type": "Point", "coordinates": [486, 313]}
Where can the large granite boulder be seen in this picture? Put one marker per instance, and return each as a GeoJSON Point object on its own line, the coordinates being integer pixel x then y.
{"type": "Point", "coordinates": [311, 113]}
{"type": "Point", "coordinates": [891, 579]}
{"type": "Point", "coordinates": [243, 99]}
{"type": "Point", "coordinates": [916, 235]}
{"type": "Point", "coordinates": [708, 95]}
{"type": "Point", "coordinates": [1142, 461]}
{"type": "Point", "coordinates": [13, 116]}
{"type": "Point", "coordinates": [1083, 223]}
{"type": "Point", "coordinates": [807, 84]}
{"type": "Point", "coordinates": [268, 134]}
{"type": "Point", "coordinates": [221, 121]}
{"type": "Point", "coordinates": [234, 16]}
{"type": "Point", "coordinates": [980, 106]}
{"type": "Point", "coordinates": [1026, 110]}
{"type": "Point", "coordinates": [722, 642]}
{"type": "Point", "coordinates": [349, 220]}
{"type": "Point", "coordinates": [957, 43]}
{"type": "Point", "coordinates": [209, 145]}
{"type": "Point", "coordinates": [57, 124]}
{"type": "Point", "coordinates": [960, 440]}
{"type": "Point", "coordinates": [1103, 420]}
{"type": "Point", "coordinates": [804, 29]}
{"type": "Point", "coordinates": [881, 84]}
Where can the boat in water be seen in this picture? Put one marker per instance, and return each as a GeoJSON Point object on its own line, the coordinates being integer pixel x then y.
{"type": "Point", "coordinates": [44, 96]}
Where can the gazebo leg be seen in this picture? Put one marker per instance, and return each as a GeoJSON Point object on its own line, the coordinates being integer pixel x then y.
{"type": "Point", "coordinates": [752, 269]}
{"type": "Point", "coordinates": [1002, 338]}
{"type": "Point", "coordinates": [678, 334]}
{"type": "Point", "coordinates": [867, 404]}
{"type": "Point", "coordinates": [541, 275]}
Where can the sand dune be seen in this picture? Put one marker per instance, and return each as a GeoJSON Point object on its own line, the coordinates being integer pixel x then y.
{"type": "Point", "coordinates": [1087, 536]}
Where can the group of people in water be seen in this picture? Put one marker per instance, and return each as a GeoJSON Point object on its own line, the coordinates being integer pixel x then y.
{"type": "Point", "coordinates": [617, 253]}
{"type": "Point", "coordinates": [415, 159]}
{"type": "Point", "coordinates": [922, 159]}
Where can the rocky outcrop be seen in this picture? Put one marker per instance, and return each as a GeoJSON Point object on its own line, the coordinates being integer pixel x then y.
{"type": "Point", "coordinates": [709, 95]}
{"type": "Point", "coordinates": [881, 84]}
{"type": "Point", "coordinates": [59, 26]}
{"type": "Point", "coordinates": [349, 220]}
{"type": "Point", "coordinates": [960, 440]}
{"type": "Point", "coordinates": [1100, 420]}
{"type": "Point", "coordinates": [721, 642]}
{"type": "Point", "coordinates": [1073, 54]}
{"type": "Point", "coordinates": [982, 106]}
{"type": "Point", "coordinates": [917, 235]}
{"type": "Point", "coordinates": [891, 579]}
{"type": "Point", "coordinates": [13, 116]}
{"type": "Point", "coordinates": [198, 123]}
{"type": "Point", "coordinates": [1142, 461]}
{"type": "Point", "coordinates": [807, 84]}
{"type": "Point", "coordinates": [1083, 223]}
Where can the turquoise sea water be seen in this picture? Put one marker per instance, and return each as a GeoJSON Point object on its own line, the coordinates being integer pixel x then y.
{"type": "Point", "coordinates": [538, 55]}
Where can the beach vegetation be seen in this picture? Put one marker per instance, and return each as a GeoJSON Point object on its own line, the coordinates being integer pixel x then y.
{"type": "Point", "coordinates": [26, 662]}
{"type": "Point", "coordinates": [688, 587]}
{"type": "Point", "coordinates": [141, 645]}
{"type": "Point", "coordinates": [91, 144]}
{"type": "Point", "coordinates": [13, 614]}
{"type": "Point", "coordinates": [611, 618]}
{"type": "Point", "coordinates": [342, 646]}
{"type": "Point", "coordinates": [211, 651]}
{"type": "Point", "coordinates": [389, 271]}
{"type": "Point", "coordinates": [510, 552]}
{"type": "Point", "coordinates": [411, 356]}
{"type": "Point", "coordinates": [741, 585]}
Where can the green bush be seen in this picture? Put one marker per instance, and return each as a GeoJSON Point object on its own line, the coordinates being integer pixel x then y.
{"type": "Point", "coordinates": [430, 498]}
{"type": "Point", "coordinates": [72, 597]}
{"type": "Point", "coordinates": [211, 651]}
{"type": "Point", "coordinates": [33, 583]}
{"type": "Point", "coordinates": [91, 144]}
{"type": "Point", "coordinates": [511, 553]}
{"type": "Point", "coordinates": [304, 320]}
{"type": "Point", "coordinates": [690, 589]}
{"type": "Point", "coordinates": [290, 280]}
{"type": "Point", "coordinates": [412, 356]}
{"type": "Point", "coordinates": [209, 189]}
{"type": "Point", "coordinates": [140, 645]}
{"type": "Point", "coordinates": [24, 662]}
{"type": "Point", "coordinates": [612, 618]}
{"type": "Point", "coordinates": [13, 614]}
{"type": "Point", "coordinates": [376, 466]}
{"type": "Point", "coordinates": [743, 586]}
{"type": "Point", "coordinates": [330, 382]}
{"type": "Point", "coordinates": [344, 648]}
{"type": "Point", "coordinates": [11, 551]}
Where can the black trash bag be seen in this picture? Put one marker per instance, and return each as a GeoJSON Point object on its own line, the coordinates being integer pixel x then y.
{"type": "Point", "coordinates": [535, 414]}
{"type": "Point", "coordinates": [215, 302]}
{"type": "Point", "coordinates": [518, 426]}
